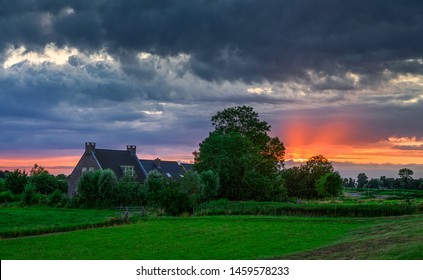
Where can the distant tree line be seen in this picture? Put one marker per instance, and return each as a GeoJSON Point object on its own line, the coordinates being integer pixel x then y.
{"type": "Point", "coordinates": [37, 187]}
{"type": "Point", "coordinates": [404, 181]}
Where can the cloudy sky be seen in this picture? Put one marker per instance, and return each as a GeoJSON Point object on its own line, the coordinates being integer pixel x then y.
{"type": "Point", "coordinates": [338, 78]}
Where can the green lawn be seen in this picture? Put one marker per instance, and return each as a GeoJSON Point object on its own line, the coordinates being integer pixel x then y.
{"type": "Point", "coordinates": [218, 237]}
{"type": "Point", "coordinates": [27, 221]}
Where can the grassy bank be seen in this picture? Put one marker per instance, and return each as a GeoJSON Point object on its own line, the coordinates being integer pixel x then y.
{"type": "Point", "coordinates": [398, 238]}
{"type": "Point", "coordinates": [15, 222]}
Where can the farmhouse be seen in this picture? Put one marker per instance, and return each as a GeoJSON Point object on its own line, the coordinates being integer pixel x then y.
{"type": "Point", "coordinates": [122, 162]}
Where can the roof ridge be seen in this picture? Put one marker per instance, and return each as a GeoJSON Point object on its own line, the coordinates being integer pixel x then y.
{"type": "Point", "coordinates": [110, 150]}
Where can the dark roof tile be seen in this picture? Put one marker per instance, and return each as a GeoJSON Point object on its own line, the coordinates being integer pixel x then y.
{"type": "Point", "coordinates": [173, 168]}
{"type": "Point", "coordinates": [114, 160]}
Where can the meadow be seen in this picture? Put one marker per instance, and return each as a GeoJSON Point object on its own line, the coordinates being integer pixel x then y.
{"type": "Point", "coordinates": [210, 237]}
{"type": "Point", "coordinates": [17, 221]}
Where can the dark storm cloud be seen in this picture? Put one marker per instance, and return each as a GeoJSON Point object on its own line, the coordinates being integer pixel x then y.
{"type": "Point", "coordinates": [231, 40]}
{"type": "Point", "coordinates": [152, 73]}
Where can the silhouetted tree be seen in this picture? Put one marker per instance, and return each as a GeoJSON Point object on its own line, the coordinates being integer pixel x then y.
{"type": "Point", "coordinates": [362, 180]}
{"type": "Point", "coordinates": [405, 177]}
{"type": "Point", "coordinates": [349, 183]}
{"type": "Point", "coordinates": [405, 173]}
{"type": "Point", "coordinates": [374, 183]}
{"type": "Point", "coordinates": [15, 181]}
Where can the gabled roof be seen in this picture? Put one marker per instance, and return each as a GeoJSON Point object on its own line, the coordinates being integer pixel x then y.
{"type": "Point", "coordinates": [167, 168]}
{"type": "Point", "coordinates": [187, 166]}
{"type": "Point", "coordinates": [115, 160]}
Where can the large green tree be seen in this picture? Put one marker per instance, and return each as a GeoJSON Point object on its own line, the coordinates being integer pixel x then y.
{"type": "Point", "coordinates": [243, 155]}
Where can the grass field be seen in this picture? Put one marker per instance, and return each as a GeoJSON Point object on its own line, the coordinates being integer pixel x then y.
{"type": "Point", "coordinates": [206, 237]}
{"type": "Point", "coordinates": [230, 237]}
{"type": "Point", "coordinates": [29, 221]}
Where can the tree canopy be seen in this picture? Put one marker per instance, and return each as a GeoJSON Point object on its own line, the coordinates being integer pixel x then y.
{"type": "Point", "coordinates": [316, 178]}
{"type": "Point", "coordinates": [362, 180]}
{"type": "Point", "coordinates": [243, 155]}
{"type": "Point", "coordinates": [405, 173]}
{"type": "Point", "coordinates": [243, 120]}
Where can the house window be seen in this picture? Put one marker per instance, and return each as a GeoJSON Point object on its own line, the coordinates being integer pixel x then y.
{"type": "Point", "coordinates": [128, 170]}
{"type": "Point", "coordinates": [86, 169]}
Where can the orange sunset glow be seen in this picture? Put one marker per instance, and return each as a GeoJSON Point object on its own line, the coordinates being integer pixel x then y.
{"type": "Point", "coordinates": [335, 141]}
{"type": "Point", "coordinates": [55, 165]}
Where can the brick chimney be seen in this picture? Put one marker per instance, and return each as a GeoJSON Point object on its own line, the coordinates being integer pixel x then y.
{"type": "Point", "coordinates": [132, 149]}
{"type": "Point", "coordinates": [157, 163]}
{"type": "Point", "coordinates": [89, 147]}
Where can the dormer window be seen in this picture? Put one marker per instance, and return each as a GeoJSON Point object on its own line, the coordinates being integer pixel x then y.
{"type": "Point", "coordinates": [128, 170]}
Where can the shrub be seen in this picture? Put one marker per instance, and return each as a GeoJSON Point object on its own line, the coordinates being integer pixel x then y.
{"type": "Point", "coordinates": [210, 185]}
{"type": "Point", "coordinates": [128, 192]}
{"type": "Point", "coordinates": [88, 188]}
{"type": "Point", "coordinates": [62, 182]}
{"type": "Point", "coordinates": [44, 182]}
{"type": "Point", "coordinates": [6, 196]}
{"type": "Point", "coordinates": [2, 185]}
{"type": "Point", "coordinates": [15, 181]}
{"type": "Point", "coordinates": [106, 183]}
{"type": "Point", "coordinates": [329, 184]}
{"type": "Point", "coordinates": [30, 194]}
{"type": "Point", "coordinates": [55, 198]}
{"type": "Point", "coordinates": [175, 202]}
{"type": "Point", "coordinates": [191, 185]}
{"type": "Point", "coordinates": [96, 188]}
{"type": "Point", "coordinates": [155, 185]}
{"type": "Point", "coordinates": [277, 190]}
